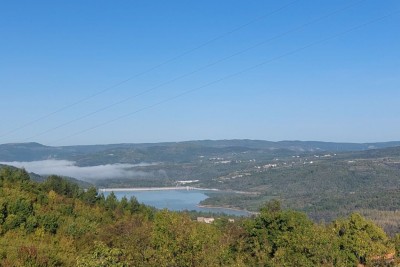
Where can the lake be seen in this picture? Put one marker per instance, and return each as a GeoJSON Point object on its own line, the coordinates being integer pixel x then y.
{"type": "Point", "coordinates": [177, 200]}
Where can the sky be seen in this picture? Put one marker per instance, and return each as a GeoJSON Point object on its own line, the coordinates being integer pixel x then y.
{"type": "Point", "coordinates": [98, 72]}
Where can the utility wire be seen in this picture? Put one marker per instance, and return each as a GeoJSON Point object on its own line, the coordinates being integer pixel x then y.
{"type": "Point", "coordinates": [232, 75]}
{"type": "Point", "coordinates": [296, 29]}
{"type": "Point", "coordinates": [187, 52]}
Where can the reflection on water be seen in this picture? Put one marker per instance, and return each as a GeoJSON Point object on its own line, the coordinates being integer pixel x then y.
{"type": "Point", "coordinates": [175, 200]}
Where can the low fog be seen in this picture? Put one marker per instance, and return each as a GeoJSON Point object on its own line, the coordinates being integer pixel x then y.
{"type": "Point", "coordinates": [68, 168]}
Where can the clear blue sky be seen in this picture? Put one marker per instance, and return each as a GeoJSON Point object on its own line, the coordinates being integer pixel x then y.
{"type": "Point", "coordinates": [56, 53]}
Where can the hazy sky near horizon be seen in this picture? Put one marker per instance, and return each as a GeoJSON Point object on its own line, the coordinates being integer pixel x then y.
{"type": "Point", "coordinates": [69, 71]}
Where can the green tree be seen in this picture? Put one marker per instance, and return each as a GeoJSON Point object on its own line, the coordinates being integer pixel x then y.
{"type": "Point", "coordinates": [61, 186]}
{"type": "Point", "coordinates": [397, 245]}
{"type": "Point", "coordinates": [102, 256]}
{"type": "Point", "coordinates": [360, 239]}
{"type": "Point", "coordinates": [3, 211]}
{"type": "Point", "coordinates": [177, 241]}
{"type": "Point", "coordinates": [111, 202]}
{"type": "Point", "coordinates": [90, 196]}
{"type": "Point", "coordinates": [31, 224]}
{"type": "Point", "coordinates": [133, 205]}
{"type": "Point", "coordinates": [50, 223]}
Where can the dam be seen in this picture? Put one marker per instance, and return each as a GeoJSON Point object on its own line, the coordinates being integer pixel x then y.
{"type": "Point", "coordinates": [135, 189]}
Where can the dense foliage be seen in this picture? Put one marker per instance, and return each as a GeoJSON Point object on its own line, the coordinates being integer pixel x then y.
{"type": "Point", "coordinates": [56, 223]}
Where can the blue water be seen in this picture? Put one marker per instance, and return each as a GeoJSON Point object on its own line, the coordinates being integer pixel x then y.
{"type": "Point", "coordinates": [177, 200]}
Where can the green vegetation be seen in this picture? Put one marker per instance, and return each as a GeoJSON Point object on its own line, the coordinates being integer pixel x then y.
{"type": "Point", "coordinates": [301, 175]}
{"type": "Point", "coordinates": [304, 176]}
{"type": "Point", "coordinates": [323, 187]}
{"type": "Point", "coordinates": [56, 223]}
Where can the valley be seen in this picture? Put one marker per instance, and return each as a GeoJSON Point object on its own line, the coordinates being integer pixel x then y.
{"type": "Point", "coordinates": [304, 176]}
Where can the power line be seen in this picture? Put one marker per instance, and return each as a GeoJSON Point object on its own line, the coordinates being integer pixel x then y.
{"type": "Point", "coordinates": [298, 28]}
{"type": "Point", "coordinates": [189, 51]}
{"type": "Point", "coordinates": [232, 75]}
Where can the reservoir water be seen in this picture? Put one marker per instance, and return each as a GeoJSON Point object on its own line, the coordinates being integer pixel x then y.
{"type": "Point", "coordinates": [177, 200]}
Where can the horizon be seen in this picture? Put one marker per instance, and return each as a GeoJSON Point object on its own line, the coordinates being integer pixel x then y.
{"type": "Point", "coordinates": [201, 140]}
{"type": "Point", "coordinates": [75, 73]}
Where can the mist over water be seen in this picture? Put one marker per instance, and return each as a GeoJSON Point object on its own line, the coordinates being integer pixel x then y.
{"type": "Point", "coordinates": [69, 168]}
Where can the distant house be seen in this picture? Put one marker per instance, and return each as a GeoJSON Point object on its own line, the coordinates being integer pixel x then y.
{"type": "Point", "coordinates": [205, 219]}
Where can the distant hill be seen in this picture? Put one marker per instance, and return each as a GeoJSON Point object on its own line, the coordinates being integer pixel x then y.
{"type": "Point", "coordinates": [168, 150]}
{"type": "Point", "coordinates": [296, 145]}
{"type": "Point", "coordinates": [36, 151]}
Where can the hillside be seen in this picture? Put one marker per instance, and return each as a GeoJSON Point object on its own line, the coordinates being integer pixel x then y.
{"type": "Point", "coordinates": [40, 178]}
{"type": "Point", "coordinates": [302, 175]}
{"type": "Point", "coordinates": [147, 151]}
{"type": "Point", "coordinates": [324, 186]}
{"type": "Point", "coordinates": [55, 223]}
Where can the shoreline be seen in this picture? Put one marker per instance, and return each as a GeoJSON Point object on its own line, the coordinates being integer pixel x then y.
{"type": "Point", "coordinates": [187, 188]}
{"type": "Point", "coordinates": [184, 188]}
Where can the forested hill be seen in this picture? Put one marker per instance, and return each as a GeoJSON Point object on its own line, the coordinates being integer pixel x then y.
{"type": "Point", "coordinates": [35, 151]}
{"type": "Point", "coordinates": [55, 223]}
{"type": "Point", "coordinates": [41, 178]}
